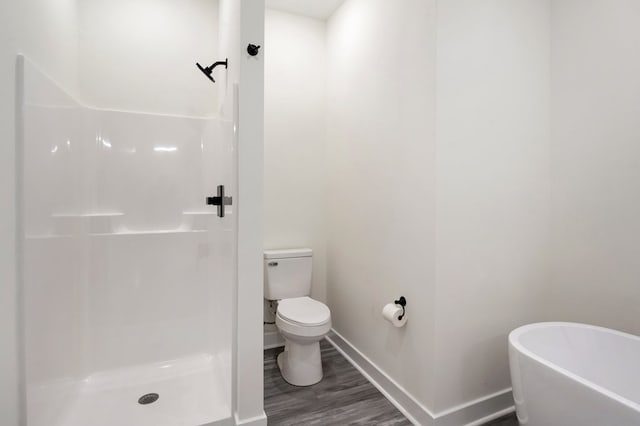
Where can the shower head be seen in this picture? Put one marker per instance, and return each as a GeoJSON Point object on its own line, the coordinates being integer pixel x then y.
{"type": "Point", "coordinates": [208, 71]}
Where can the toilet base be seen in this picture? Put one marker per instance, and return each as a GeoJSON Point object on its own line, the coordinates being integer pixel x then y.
{"type": "Point", "coordinates": [300, 363]}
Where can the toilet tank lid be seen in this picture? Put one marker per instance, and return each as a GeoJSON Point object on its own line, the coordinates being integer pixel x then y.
{"type": "Point", "coordinates": [287, 253]}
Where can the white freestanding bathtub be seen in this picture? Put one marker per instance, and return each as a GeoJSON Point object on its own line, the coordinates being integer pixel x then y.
{"type": "Point", "coordinates": [567, 374]}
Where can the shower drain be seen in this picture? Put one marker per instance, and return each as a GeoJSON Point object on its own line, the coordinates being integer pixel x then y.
{"type": "Point", "coordinates": [148, 398]}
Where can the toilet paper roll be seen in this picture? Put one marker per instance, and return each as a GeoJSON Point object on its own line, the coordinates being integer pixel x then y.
{"type": "Point", "coordinates": [391, 312]}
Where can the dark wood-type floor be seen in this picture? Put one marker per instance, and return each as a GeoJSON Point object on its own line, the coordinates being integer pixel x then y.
{"type": "Point", "coordinates": [343, 397]}
{"type": "Point", "coordinates": [509, 420]}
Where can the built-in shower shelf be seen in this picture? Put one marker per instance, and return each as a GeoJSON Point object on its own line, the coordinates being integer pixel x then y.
{"type": "Point", "coordinates": [150, 232]}
{"type": "Point", "coordinates": [102, 224]}
{"type": "Point", "coordinates": [95, 222]}
{"type": "Point", "coordinates": [197, 219]}
{"type": "Point", "coordinates": [117, 234]}
{"type": "Point", "coordinates": [46, 236]}
{"type": "Point", "coordinates": [87, 215]}
{"type": "Point", "coordinates": [205, 213]}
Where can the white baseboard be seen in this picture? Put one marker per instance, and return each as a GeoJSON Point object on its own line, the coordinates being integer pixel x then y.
{"type": "Point", "coordinates": [273, 339]}
{"type": "Point", "coordinates": [479, 411]}
{"type": "Point", "coordinates": [253, 421]}
{"type": "Point", "coordinates": [224, 422]}
{"type": "Point", "coordinates": [473, 413]}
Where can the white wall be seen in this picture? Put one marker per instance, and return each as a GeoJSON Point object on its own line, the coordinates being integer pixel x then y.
{"type": "Point", "coordinates": [47, 32]}
{"type": "Point", "coordinates": [241, 23]}
{"type": "Point", "coordinates": [294, 181]}
{"type": "Point", "coordinates": [438, 178]}
{"type": "Point", "coordinates": [8, 289]}
{"type": "Point", "coordinates": [140, 56]}
{"type": "Point", "coordinates": [596, 173]}
{"type": "Point", "coordinates": [381, 182]}
{"type": "Point", "coordinates": [492, 188]}
{"type": "Point", "coordinates": [533, 220]}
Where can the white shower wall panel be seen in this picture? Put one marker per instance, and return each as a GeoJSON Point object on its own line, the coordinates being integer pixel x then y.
{"type": "Point", "coordinates": [153, 168]}
{"type": "Point", "coordinates": [55, 323]}
{"type": "Point", "coordinates": [53, 265]}
{"type": "Point", "coordinates": [149, 299]}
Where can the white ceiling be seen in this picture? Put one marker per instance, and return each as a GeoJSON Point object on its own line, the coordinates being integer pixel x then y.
{"type": "Point", "coordinates": [320, 9]}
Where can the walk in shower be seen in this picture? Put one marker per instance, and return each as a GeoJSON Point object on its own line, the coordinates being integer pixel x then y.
{"type": "Point", "coordinates": [127, 274]}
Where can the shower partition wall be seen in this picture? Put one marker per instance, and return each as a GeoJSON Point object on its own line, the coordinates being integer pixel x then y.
{"type": "Point", "coordinates": [126, 272]}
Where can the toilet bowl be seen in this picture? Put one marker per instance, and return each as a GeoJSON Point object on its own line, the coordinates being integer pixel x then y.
{"type": "Point", "coordinates": [302, 322]}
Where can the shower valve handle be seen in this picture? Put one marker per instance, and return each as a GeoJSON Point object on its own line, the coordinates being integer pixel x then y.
{"type": "Point", "coordinates": [220, 200]}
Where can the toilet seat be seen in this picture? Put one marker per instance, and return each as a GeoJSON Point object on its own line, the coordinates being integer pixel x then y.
{"type": "Point", "coordinates": [304, 311]}
{"type": "Point", "coordinates": [303, 317]}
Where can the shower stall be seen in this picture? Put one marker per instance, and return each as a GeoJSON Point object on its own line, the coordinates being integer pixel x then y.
{"type": "Point", "coordinates": [127, 272]}
{"type": "Point", "coordinates": [136, 282]}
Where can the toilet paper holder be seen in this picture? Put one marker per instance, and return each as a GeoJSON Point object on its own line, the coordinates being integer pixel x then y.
{"type": "Point", "coordinates": [402, 302]}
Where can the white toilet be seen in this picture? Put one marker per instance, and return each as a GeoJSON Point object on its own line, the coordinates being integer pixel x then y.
{"type": "Point", "coordinates": [301, 320]}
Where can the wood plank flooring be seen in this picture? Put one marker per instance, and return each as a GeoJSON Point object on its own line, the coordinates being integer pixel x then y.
{"type": "Point", "coordinates": [508, 420]}
{"type": "Point", "coordinates": [343, 397]}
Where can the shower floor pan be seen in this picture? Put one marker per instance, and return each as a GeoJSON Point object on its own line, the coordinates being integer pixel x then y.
{"type": "Point", "coordinates": [191, 392]}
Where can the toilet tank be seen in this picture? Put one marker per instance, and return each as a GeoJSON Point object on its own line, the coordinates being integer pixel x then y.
{"type": "Point", "coordinates": [287, 273]}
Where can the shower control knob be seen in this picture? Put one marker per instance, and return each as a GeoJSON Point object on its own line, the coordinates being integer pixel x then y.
{"type": "Point", "coordinates": [220, 200]}
{"type": "Point", "coordinates": [252, 49]}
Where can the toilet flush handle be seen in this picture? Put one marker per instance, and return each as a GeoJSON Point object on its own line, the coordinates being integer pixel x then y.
{"type": "Point", "coordinates": [272, 263]}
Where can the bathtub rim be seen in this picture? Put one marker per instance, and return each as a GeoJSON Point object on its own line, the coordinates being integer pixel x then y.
{"type": "Point", "coordinates": [515, 343]}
